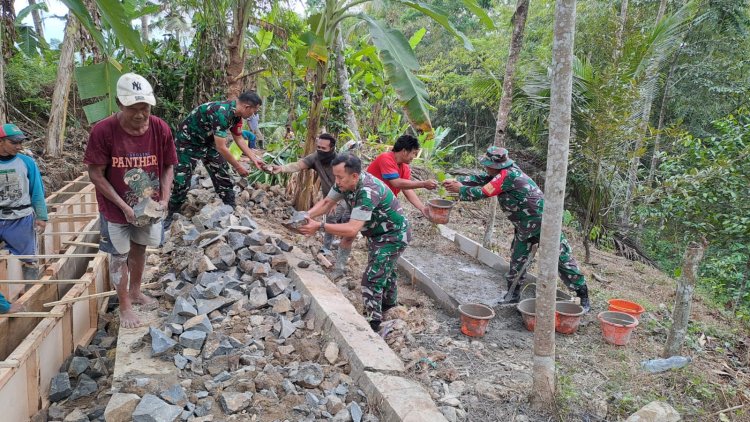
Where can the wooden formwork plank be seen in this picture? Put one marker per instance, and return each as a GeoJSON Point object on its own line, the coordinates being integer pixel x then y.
{"type": "Point", "coordinates": [13, 395]}
{"type": "Point", "coordinates": [32, 382]}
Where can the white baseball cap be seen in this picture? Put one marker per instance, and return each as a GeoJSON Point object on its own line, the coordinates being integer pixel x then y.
{"type": "Point", "coordinates": [133, 89]}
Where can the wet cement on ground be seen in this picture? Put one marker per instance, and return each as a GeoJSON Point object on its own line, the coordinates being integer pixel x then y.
{"type": "Point", "coordinates": [460, 275]}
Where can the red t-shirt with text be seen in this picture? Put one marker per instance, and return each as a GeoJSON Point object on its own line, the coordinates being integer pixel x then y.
{"type": "Point", "coordinates": [134, 163]}
{"type": "Point", "coordinates": [385, 168]}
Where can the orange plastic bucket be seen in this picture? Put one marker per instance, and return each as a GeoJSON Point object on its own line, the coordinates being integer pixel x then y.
{"type": "Point", "coordinates": [527, 308]}
{"type": "Point", "coordinates": [439, 210]}
{"type": "Point", "coordinates": [630, 308]}
{"type": "Point", "coordinates": [617, 326]}
{"type": "Point", "coordinates": [567, 317]}
{"type": "Point", "coordinates": [474, 318]}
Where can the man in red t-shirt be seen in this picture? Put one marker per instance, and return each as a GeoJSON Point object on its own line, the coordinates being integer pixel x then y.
{"type": "Point", "coordinates": [131, 157]}
{"type": "Point", "coordinates": [392, 167]}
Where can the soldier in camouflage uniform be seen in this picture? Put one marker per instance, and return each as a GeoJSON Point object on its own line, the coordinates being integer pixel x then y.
{"type": "Point", "coordinates": [202, 136]}
{"type": "Point", "coordinates": [523, 202]}
{"type": "Point", "coordinates": [377, 213]}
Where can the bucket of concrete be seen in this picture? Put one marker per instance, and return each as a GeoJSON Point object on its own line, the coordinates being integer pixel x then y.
{"type": "Point", "coordinates": [474, 318]}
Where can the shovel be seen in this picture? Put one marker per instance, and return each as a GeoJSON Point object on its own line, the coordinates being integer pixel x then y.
{"type": "Point", "coordinates": [521, 272]}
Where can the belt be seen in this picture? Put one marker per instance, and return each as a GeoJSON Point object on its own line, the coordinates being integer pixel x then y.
{"type": "Point", "coordinates": [9, 210]}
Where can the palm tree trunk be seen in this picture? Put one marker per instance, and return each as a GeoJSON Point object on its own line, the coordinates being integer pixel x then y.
{"type": "Point", "coordinates": [543, 389]}
{"type": "Point", "coordinates": [305, 190]}
{"type": "Point", "coordinates": [343, 79]}
{"type": "Point", "coordinates": [144, 29]}
{"type": "Point", "coordinates": [503, 111]}
{"type": "Point", "coordinates": [37, 18]}
{"type": "Point", "coordinates": [59, 110]}
{"type": "Point", "coordinates": [683, 299]}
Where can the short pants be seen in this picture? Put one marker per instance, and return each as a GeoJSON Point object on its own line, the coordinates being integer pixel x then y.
{"type": "Point", "coordinates": [19, 235]}
{"type": "Point", "coordinates": [115, 238]}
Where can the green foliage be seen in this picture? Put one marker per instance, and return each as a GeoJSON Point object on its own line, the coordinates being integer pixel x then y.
{"type": "Point", "coordinates": [29, 82]}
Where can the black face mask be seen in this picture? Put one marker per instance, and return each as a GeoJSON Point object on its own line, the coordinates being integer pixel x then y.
{"type": "Point", "coordinates": [326, 157]}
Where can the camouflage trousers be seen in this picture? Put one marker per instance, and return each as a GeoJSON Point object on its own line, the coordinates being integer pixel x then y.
{"type": "Point", "coordinates": [379, 282]}
{"type": "Point", "coordinates": [188, 156]}
{"type": "Point", "coordinates": [567, 267]}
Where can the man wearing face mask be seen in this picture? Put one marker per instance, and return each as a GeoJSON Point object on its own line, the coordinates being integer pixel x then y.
{"type": "Point", "coordinates": [320, 162]}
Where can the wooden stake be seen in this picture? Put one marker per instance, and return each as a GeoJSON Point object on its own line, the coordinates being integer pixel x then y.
{"type": "Point", "coordinates": [50, 256]}
{"type": "Point", "coordinates": [12, 363]}
{"type": "Point", "coordinates": [32, 315]}
{"type": "Point", "coordinates": [94, 296]}
{"type": "Point", "coordinates": [69, 233]}
{"type": "Point", "coordinates": [71, 281]}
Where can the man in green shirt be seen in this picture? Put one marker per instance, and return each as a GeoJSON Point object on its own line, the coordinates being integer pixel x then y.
{"type": "Point", "coordinates": [378, 215]}
{"type": "Point", "coordinates": [202, 136]}
{"type": "Point", "coordinates": [523, 202]}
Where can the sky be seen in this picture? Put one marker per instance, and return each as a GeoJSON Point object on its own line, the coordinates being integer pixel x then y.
{"type": "Point", "coordinates": [55, 28]}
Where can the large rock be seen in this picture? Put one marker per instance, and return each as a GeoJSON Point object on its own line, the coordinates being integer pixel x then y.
{"type": "Point", "coordinates": [234, 402]}
{"type": "Point", "coordinates": [85, 387]}
{"type": "Point", "coordinates": [287, 328]}
{"type": "Point", "coordinates": [198, 323]}
{"type": "Point", "coordinates": [257, 298]}
{"type": "Point", "coordinates": [60, 387]}
{"type": "Point", "coordinates": [78, 365]}
{"type": "Point", "coordinates": [309, 375]}
{"type": "Point", "coordinates": [332, 352]}
{"type": "Point", "coordinates": [236, 240]}
{"type": "Point", "coordinates": [160, 342]}
{"type": "Point", "coordinates": [221, 255]}
{"type": "Point", "coordinates": [154, 409]}
{"type": "Point", "coordinates": [120, 407]}
{"type": "Point", "coordinates": [206, 306]}
{"type": "Point", "coordinates": [184, 308]}
{"type": "Point", "coordinates": [656, 411]}
{"type": "Point", "coordinates": [276, 284]}
{"type": "Point", "coordinates": [76, 415]}
{"type": "Point", "coordinates": [175, 395]}
{"type": "Point", "coordinates": [193, 339]}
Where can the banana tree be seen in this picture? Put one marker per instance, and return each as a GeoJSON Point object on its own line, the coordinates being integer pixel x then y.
{"type": "Point", "coordinates": [396, 54]}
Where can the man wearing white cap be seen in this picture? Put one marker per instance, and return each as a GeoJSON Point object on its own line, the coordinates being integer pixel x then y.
{"type": "Point", "coordinates": [131, 157]}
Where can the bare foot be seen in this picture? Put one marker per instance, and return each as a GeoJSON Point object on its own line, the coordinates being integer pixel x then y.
{"type": "Point", "coordinates": [128, 319]}
{"type": "Point", "coordinates": [141, 299]}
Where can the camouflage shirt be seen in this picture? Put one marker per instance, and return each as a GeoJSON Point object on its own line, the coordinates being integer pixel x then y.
{"type": "Point", "coordinates": [519, 197]}
{"type": "Point", "coordinates": [374, 203]}
{"type": "Point", "coordinates": [206, 121]}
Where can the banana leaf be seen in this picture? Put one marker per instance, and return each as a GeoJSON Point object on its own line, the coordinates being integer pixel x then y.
{"type": "Point", "coordinates": [99, 80]}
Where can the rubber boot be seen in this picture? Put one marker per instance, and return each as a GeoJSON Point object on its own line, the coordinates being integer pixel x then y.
{"type": "Point", "coordinates": [327, 241]}
{"type": "Point", "coordinates": [583, 294]}
{"type": "Point", "coordinates": [339, 270]}
{"type": "Point", "coordinates": [514, 296]}
{"type": "Point", "coordinates": [375, 325]}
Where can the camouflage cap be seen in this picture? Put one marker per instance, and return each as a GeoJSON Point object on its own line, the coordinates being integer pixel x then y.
{"type": "Point", "coordinates": [496, 158]}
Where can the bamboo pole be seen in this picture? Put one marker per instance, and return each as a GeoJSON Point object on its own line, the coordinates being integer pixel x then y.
{"type": "Point", "coordinates": [96, 245]}
{"type": "Point", "coordinates": [94, 296]}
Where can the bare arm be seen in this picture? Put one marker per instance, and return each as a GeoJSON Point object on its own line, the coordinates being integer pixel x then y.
{"type": "Point", "coordinates": [165, 182]}
{"type": "Point", "coordinates": [242, 143]}
{"type": "Point", "coordinates": [324, 206]}
{"type": "Point", "coordinates": [96, 174]}
{"type": "Point", "coordinates": [406, 184]}
{"type": "Point", "coordinates": [348, 229]}
{"type": "Point", "coordinates": [221, 146]}
{"type": "Point", "coordinates": [290, 168]}
{"type": "Point", "coordinates": [412, 197]}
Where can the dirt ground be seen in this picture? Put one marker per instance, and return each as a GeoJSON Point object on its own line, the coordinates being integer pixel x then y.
{"type": "Point", "coordinates": [596, 381]}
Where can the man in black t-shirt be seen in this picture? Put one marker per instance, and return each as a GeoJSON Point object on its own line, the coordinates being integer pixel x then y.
{"type": "Point", "coordinates": [320, 162]}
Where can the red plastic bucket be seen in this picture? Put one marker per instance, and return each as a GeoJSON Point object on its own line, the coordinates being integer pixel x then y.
{"type": "Point", "coordinates": [617, 327]}
{"type": "Point", "coordinates": [439, 210]}
{"type": "Point", "coordinates": [630, 308]}
{"type": "Point", "coordinates": [567, 317]}
{"type": "Point", "coordinates": [474, 318]}
{"type": "Point", "coordinates": [527, 308]}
